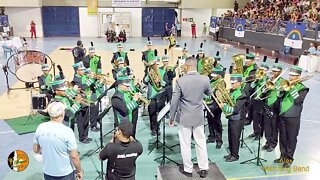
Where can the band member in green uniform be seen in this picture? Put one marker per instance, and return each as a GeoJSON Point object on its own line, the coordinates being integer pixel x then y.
{"type": "Point", "coordinates": [84, 83]}
{"type": "Point", "coordinates": [236, 119]}
{"type": "Point", "coordinates": [157, 102]}
{"type": "Point", "coordinates": [271, 119]}
{"type": "Point", "coordinates": [172, 41]}
{"type": "Point", "coordinates": [120, 53]}
{"type": "Point", "coordinates": [72, 106]}
{"type": "Point", "coordinates": [170, 73]}
{"type": "Point", "coordinates": [44, 82]}
{"type": "Point", "coordinates": [291, 105]}
{"type": "Point", "coordinates": [124, 103]}
{"type": "Point", "coordinates": [93, 61]}
{"type": "Point", "coordinates": [121, 70]}
{"type": "Point", "coordinates": [182, 59]}
{"type": "Point", "coordinates": [250, 69]}
{"type": "Point", "coordinates": [147, 57]}
{"type": "Point", "coordinates": [258, 111]}
{"type": "Point", "coordinates": [200, 57]}
{"type": "Point", "coordinates": [217, 59]}
{"type": "Point", "coordinates": [214, 122]}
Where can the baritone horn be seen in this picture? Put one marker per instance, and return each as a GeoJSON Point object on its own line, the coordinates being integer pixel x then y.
{"type": "Point", "coordinates": [287, 85]}
{"type": "Point", "coordinates": [221, 96]}
{"type": "Point", "coordinates": [238, 62]}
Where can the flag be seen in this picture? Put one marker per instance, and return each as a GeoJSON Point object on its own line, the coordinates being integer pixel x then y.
{"type": "Point", "coordinates": [294, 35]}
{"type": "Point", "coordinates": [240, 27]}
{"type": "Point", "coordinates": [213, 24]}
{"type": "Point", "coordinates": [92, 7]}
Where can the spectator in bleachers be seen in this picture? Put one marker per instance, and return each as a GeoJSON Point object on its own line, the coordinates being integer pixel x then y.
{"type": "Point", "coordinates": [317, 52]}
{"type": "Point", "coordinates": [312, 49]}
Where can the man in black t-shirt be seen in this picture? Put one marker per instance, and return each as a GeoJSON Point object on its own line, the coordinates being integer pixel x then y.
{"type": "Point", "coordinates": [122, 154]}
{"type": "Point", "coordinates": [78, 52]}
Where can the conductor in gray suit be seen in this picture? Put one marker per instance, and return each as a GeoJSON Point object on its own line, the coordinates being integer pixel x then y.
{"type": "Point", "coordinates": [187, 109]}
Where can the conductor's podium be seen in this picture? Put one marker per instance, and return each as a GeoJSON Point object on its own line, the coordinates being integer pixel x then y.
{"type": "Point", "coordinates": [171, 172]}
{"type": "Point", "coordinates": [310, 63]}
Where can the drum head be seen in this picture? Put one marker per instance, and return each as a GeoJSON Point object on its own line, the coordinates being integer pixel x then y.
{"type": "Point", "coordinates": [26, 65]}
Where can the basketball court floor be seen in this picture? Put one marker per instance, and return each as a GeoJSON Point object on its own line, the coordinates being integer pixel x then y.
{"type": "Point", "coordinates": [17, 104]}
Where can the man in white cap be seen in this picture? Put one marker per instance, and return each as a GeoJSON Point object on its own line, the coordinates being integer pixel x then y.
{"type": "Point", "coordinates": [58, 147]}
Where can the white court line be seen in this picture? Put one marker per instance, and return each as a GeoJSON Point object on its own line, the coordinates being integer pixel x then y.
{"type": "Point", "coordinates": [5, 132]}
{"type": "Point", "coordinates": [308, 120]}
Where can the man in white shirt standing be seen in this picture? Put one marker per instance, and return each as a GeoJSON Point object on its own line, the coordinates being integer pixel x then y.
{"type": "Point", "coordinates": [57, 144]}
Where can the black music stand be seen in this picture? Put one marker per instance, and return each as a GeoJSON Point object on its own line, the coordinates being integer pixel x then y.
{"type": "Point", "coordinates": [164, 157]}
{"type": "Point", "coordinates": [161, 95]}
{"type": "Point", "coordinates": [258, 161]}
{"type": "Point", "coordinates": [243, 142]}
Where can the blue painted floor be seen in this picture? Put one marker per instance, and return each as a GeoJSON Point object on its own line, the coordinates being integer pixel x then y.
{"type": "Point", "coordinates": [307, 153]}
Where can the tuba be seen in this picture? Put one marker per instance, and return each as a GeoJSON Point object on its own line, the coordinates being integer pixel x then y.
{"type": "Point", "coordinates": [221, 96]}
{"type": "Point", "coordinates": [154, 75]}
{"type": "Point", "coordinates": [287, 85]}
{"type": "Point", "coordinates": [207, 65]}
{"type": "Point", "coordinates": [238, 63]}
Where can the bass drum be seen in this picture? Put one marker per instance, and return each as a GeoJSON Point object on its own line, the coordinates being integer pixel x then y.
{"type": "Point", "coordinates": [26, 65]}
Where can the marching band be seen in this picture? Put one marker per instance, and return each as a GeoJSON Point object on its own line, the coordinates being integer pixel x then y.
{"type": "Point", "coordinates": [277, 102]}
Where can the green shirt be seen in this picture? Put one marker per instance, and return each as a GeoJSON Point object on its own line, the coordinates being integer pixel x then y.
{"type": "Point", "coordinates": [199, 66]}
{"type": "Point", "coordinates": [234, 97]}
{"type": "Point", "coordinates": [130, 103]}
{"type": "Point", "coordinates": [273, 93]}
{"type": "Point", "coordinates": [288, 100]}
{"type": "Point", "coordinates": [94, 61]}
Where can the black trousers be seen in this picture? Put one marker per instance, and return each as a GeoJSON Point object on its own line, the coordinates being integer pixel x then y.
{"type": "Point", "coordinates": [289, 131]}
{"type": "Point", "coordinates": [153, 108]}
{"type": "Point", "coordinates": [135, 114]}
{"type": "Point", "coordinates": [234, 132]}
{"type": "Point", "coordinates": [214, 124]}
{"type": "Point", "coordinates": [178, 33]}
{"type": "Point", "coordinates": [70, 176]}
{"type": "Point", "coordinates": [169, 91]}
{"type": "Point", "coordinates": [94, 113]}
{"type": "Point", "coordinates": [83, 123]}
{"type": "Point", "coordinates": [271, 129]}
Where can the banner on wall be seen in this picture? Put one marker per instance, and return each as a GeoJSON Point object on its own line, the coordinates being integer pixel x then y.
{"type": "Point", "coordinates": [92, 7]}
{"type": "Point", "coordinates": [126, 3]}
{"type": "Point", "coordinates": [4, 20]}
{"type": "Point", "coordinates": [295, 33]}
{"type": "Point", "coordinates": [240, 27]}
{"type": "Point", "coordinates": [213, 24]}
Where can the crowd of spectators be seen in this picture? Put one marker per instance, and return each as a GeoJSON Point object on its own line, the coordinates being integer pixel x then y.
{"type": "Point", "coordinates": [306, 11]}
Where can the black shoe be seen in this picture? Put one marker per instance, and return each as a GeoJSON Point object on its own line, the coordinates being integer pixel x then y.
{"type": "Point", "coordinates": [231, 159]}
{"type": "Point", "coordinates": [270, 149]}
{"type": "Point", "coordinates": [227, 156]}
{"type": "Point", "coordinates": [95, 129]}
{"type": "Point", "coordinates": [85, 141]}
{"type": "Point", "coordinates": [218, 145]}
{"type": "Point", "coordinates": [252, 135]}
{"type": "Point", "coordinates": [154, 133]}
{"type": "Point", "coordinates": [265, 147]}
{"type": "Point", "coordinates": [247, 122]}
{"type": "Point", "coordinates": [89, 139]}
{"type": "Point", "coordinates": [203, 173]}
{"type": "Point", "coordinates": [183, 172]}
{"type": "Point", "coordinates": [211, 140]}
{"type": "Point", "coordinates": [279, 160]}
{"type": "Point", "coordinates": [286, 164]}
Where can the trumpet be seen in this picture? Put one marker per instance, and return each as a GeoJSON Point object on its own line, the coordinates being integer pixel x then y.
{"type": "Point", "coordinates": [142, 100]}
{"type": "Point", "coordinates": [260, 74]}
{"type": "Point", "coordinates": [287, 85]}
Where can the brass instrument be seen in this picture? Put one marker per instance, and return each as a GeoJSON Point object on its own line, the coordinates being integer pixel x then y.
{"type": "Point", "coordinates": [221, 96]}
{"type": "Point", "coordinates": [287, 85]}
{"type": "Point", "coordinates": [154, 75]}
{"type": "Point", "coordinates": [207, 65]}
{"type": "Point", "coordinates": [103, 78]}
{"type": "Point", "coordinates": [142, 100]}
{"type": "Point", "coordinates": [238, 62]}
{"type": "Point", "coordinates": [260, 74]}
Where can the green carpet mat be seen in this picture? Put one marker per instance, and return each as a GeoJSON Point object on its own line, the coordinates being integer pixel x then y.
{"type": "Point", "coordinates": [17, 124]}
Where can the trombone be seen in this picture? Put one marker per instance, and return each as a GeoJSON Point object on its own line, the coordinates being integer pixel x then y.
{"type": "Point", "coordinates": [268, 85]}
{"type": "Point", "coordinates": [287, 85]}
